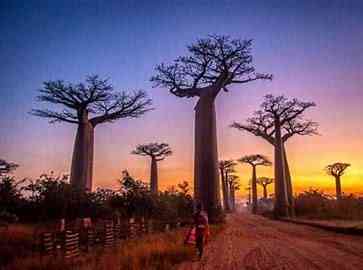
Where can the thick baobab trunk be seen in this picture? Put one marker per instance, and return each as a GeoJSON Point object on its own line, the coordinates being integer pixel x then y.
{"type": "Point", "coordinates": [281, 201]}
{"type": "Point", "coordinates": [338, 187]}
{"type": "Point", "coordinates": [82, 160]}
{"type": "Point", "coordinates": [265, 191]}
{"type": "Point", "coordinates": [225, 191]}
{"type": "Point", "coordinates": [290, 193]}
{"type": "Point", "coordinates": [154, 176]}
{"type": "Point", "coordinates": [206, 178]}
{"type": "Point", "coordinates": [254, 191]}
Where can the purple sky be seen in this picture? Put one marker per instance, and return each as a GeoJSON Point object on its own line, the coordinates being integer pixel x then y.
{"type": "Point", "coordinates": [313, 49]}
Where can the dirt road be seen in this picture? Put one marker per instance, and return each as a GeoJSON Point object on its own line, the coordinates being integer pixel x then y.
{"type": "Point", "coordinates": [252, 242]}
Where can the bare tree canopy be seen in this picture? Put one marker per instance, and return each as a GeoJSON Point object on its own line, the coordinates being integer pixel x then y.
{"type": "Point", "coordinates": [7, 167]}
{"type": "Point", "coordinates": [337, 169]}
{"type": "Point", "coordinates": [233, 181]}
{"type": "Point", "coordinates": [217, 60]}
{"type": "Point", "coordinates": [264, 181]}
{"type": "Point", "coordinates": [227, 164]}
{"type": "Point", "coordinates": [289, 113]}
{"type": "Point", "coordinates": [96, 96]}
{"type": "Point", "coordinates": [159, 151]}
{"type": "Point", "coordinates": [255, 160]}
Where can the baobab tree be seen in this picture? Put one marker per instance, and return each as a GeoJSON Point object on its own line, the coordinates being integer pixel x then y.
{"type": "Point", "coordinates": [157, 152]}
{"type": "Point", "coordinates": [264, 182]}
{"type": "Point", "coordinates": [254, 161]}
{"type": "Point", "coordinates": [213, 64]}
{"type": "Point", "coordinates": [337, 170]}
{"type": "Point", "coordinates": [233, 184]}
{"type": "Point", "coordinates": [225, 168]}
{"type": "Point", "coordinates": [87, 105]}
{"type": "Point", "coordinates": [278, 120]}
{"type": "Point", "coordinates": [7, 167]}
{"type": "Point", "coordinates": [249, 194]}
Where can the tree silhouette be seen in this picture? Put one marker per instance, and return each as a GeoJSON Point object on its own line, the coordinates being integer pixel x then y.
{"type": "Point", "coordinates": [157, 152]}
{"type": "Point", "coordinates": [226, 167]}
{"type": "Point", "coordinates": [7, 167]}
{"type": "Point", "coordinates": [249, 194]}
{"type": "Point", "coordinates": [213, 64]}
{"type": "Point", "coordinates": [278, 120]}
{"type": "Point", "coordinates": [233, 184]}
{"type": "Point", "coordinates": [264, 182]}
{"type": "Point", "coordinates": [184, 187]}
{"type": "Point", "coordinates": [88, 105]}
{"type": "Point", "coordinates": [337, 169]}
{"type": "Point", "coordinates": [254, 161]}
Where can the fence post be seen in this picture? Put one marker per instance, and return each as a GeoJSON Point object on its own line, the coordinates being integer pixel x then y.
{"type": "Point", "coordinates": [90, 239]}
{"type": "Point", "coordinates": [71, 245]}
{"type": "Point", "coordinates": [109, 240]}
{"type": "Point", "coordinates": [47, 241]}
{"type": "Point", "coordinates": [117, 231]}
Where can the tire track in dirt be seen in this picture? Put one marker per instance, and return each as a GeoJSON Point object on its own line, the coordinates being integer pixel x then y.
{"type": "Point", "coordinates": [255, 243]}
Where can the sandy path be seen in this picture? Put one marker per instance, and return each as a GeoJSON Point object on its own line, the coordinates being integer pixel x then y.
{"type": "Point", "coordinates": [252, 242]}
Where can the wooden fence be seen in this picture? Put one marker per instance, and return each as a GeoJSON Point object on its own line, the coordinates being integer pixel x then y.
{"type": "Point", "coordinates": [107, 233]}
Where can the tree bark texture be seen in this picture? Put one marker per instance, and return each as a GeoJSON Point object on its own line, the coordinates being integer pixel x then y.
{"type": "Point", "coordinates": [154, 176]}
{"type": "Point", "coordinates": [290, 192]}
{"type": "Point", "coordinates": [338, 187]}
{"type": "Point", "coordinates": [254, 191]}
{"type": "Point", "coordinates": [265, 191]}
{"type": "Point", "coordinates": [206, 178]}
{"type": "Point", "coordinates": [281, 201]}
{"type": "Point", "coordinates": [82, 160]}
{"type": "Point", "coordinates": [225, 191]}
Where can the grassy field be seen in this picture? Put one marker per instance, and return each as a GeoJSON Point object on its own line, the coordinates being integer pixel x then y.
{"type": "Point", "coordinates": [154, 251]}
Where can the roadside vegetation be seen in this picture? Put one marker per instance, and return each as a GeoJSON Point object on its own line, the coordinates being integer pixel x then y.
{"type": "Point", "coordinates": [316, 204]}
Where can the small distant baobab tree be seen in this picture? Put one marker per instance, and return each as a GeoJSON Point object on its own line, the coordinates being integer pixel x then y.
{"type": "Point", "coordinates": [213, 64]}
{"type": "Point", "coordinates": [225, 168]}
{"type": "Point", "coordinates": [254, 161]}
{"type": "Point", "coordinates": [88, 105]}
{"type": "Point", "coordinates": [278, 120]}
{"type": "Point", "coordinates": [233, 184]}
{"type": "Point", "coordinates": [337, 170]}
{"type": "Point", "coordinates": [157, 152]}
{"type": "Point", "coordinates": [7, 167]}
{"type": "Point", "coordinates": [264, 182]}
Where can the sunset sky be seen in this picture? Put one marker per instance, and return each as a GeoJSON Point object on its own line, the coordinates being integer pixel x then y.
{"type": "Point", "coordinates": [313, 48]}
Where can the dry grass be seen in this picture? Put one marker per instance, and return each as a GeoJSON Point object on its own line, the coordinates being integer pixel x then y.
{"type": "Point", "coordinates": [15, 241]}
{"type": "Point", "coordinates": [155, 251]}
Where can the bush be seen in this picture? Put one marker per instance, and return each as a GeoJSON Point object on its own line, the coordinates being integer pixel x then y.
{"type": "Point", "coordinates": [316, 204]}
{"type": "Point", "coordinates": [51, 198]}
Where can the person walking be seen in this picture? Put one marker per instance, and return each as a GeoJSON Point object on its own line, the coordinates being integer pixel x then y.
{"type": "Point", "coordinates": [201, 229]}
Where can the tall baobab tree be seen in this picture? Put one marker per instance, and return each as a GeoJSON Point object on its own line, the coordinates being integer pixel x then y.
{"type": "Point", "coordinates": [254, 161]}
{"type": "Point", "coordinates": [264, 182]}
{"type": "Point", "coordinates": [157, 152]}
{"type": "Point", "coordinates": [337, 170]}
{"type": "Point", "coordinates": [233, 184]}
{"type": "Point", "coordinates": [213, 64]}
{"type": "Point", "coordinates": [88, 105]}
{"type": "Point", "coordinates": [7, 167]}
{"type": "Point", "coordinates": [278, 120]}
{"type": "Point", "coordinates": [225, 168]}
